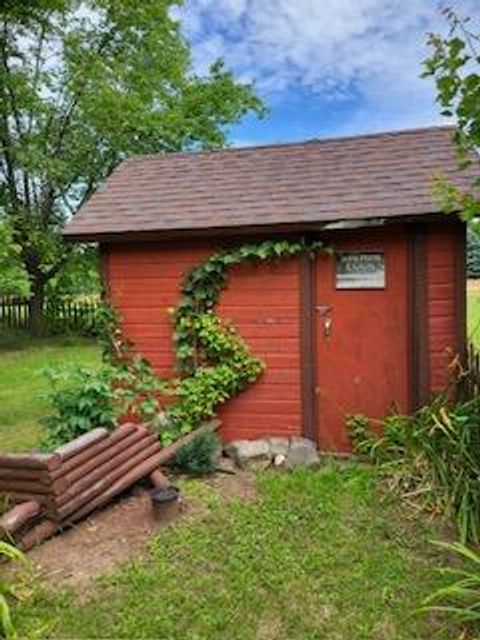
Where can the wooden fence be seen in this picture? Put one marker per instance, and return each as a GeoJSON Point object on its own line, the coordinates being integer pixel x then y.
{"type": "Point", "coordinates": [65, 315]}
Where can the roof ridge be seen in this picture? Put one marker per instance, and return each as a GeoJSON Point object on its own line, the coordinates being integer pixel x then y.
{"type": "Point", "coordinates": [298, 143]}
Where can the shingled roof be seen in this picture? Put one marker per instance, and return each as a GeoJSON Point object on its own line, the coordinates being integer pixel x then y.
{"type": "Point", "coordinates": [382, 175]}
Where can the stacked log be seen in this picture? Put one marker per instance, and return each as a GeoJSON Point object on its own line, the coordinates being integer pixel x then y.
{"type": "Point", "coordinates": [19, 519]}
{"type": "Point", "coordinates": [27, 477]}
{"type": "Point", "coordinates": [58, 489]}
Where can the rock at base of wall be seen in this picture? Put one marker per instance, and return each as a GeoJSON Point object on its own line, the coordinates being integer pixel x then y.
{"type": "Point", "coordinates": [289, 453]}
{"type": "Point", "coordinates": [301, 453]}
{"type": "Point", "coordinates": [249, 453]}
{"type": "Point", "coordinates": [278, 446]}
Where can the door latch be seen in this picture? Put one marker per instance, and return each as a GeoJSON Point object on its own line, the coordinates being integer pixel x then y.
{"type": "Point", "coordinates": [323, 309]}
{"type": "Point", "coordinates": [327, 328]}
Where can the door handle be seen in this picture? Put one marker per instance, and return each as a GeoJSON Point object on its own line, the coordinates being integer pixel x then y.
{"type": "Point", "coordinates": [327, 328]}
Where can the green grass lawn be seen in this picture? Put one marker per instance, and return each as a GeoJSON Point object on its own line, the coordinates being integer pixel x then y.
{"type": "Point", "coordinates": [319, 555]}
{"type": "Point", "coordinates": [22, 386]}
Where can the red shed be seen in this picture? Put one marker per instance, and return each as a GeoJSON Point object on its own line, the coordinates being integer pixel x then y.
{"type": "Point", "coordinates": [372, 327]}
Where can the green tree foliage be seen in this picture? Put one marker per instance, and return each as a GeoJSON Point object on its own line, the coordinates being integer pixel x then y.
{"type": "Point", "coordinates": [83, 85]}
{"type": "Point", "coordinates": [13, 277]}
{"type": "Point", "coordinates": [80, 276]}
{"type": "Point", "coordinates": [455, 66]}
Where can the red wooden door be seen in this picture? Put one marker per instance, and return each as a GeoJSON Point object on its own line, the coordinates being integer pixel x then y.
{"type": "Point", "coordinates": [361, 335]}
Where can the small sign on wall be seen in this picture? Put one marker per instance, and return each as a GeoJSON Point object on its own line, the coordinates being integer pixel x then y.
{"type": "Point", "coordinates": [357, 270]}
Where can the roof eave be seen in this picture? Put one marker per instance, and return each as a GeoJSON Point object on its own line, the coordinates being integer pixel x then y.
{"type": "Point", "coordinates": [229, 231]}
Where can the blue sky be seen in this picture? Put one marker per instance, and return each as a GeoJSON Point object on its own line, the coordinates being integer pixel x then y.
{"type": "Point", "coordinates": [324, 67]}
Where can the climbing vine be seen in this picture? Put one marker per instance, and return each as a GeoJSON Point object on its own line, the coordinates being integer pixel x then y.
{"type": "Point", "coordinates": [215, 361]}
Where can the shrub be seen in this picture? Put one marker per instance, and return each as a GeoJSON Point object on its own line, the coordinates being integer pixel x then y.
{"type": "Point", "coordinates": [434, 454]}
{"type": "Point", "coordinates": [198, 457]}
{"type": "Point", "coordinates": [84, 398]}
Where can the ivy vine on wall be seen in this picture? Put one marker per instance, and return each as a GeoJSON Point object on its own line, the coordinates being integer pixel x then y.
{"type": "Point", "coordinates": [214, 360]}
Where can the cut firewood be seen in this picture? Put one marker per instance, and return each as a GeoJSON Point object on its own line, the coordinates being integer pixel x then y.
{"type": "Point", "coordinates": [27, 486]}
{"type": "Point", "coordinates": [137, 473]}
{"type": "Point", "coordinates": [80, 477]}
{"type": "Point", "coordinates": [18, 497]}
{"type": "Point", "coordinates": [38, 475]}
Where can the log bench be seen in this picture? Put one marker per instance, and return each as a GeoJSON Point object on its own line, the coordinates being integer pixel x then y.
{"type": "Point", "coordinates": [52, 491]}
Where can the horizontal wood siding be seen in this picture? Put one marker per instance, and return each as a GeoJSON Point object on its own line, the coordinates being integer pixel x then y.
{"type": "Point", "coordinates": [144, 284]}
{"type": "Point", "coordinates": [263, 302]}
{"type": "Point", "coordinates": [443, 255]}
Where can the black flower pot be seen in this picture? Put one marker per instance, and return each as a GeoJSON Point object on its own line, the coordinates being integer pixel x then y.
{"type": "Point", "coordinates": [164, 501]}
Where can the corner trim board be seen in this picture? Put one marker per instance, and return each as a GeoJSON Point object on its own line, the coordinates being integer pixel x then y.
{"type": "Point", "coordinates": [418, 312]}
{"type": "Point", "coordinates": [307, 346]}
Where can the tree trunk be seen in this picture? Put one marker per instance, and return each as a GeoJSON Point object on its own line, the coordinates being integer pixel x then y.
{"type": "Point", "coordinates": [36, 302]}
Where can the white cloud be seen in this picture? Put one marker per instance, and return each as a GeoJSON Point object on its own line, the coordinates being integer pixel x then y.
{"type": "Point", "coordinates": [331, 48]}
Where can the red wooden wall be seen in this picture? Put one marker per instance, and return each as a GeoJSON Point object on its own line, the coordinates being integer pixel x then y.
{"type": "Point", "coordinates": [446, 281]}
{"type": "Point", "coordinates": [262, 300]}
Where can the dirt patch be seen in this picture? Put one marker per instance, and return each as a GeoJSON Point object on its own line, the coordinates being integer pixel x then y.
{"type": "Point", "coordinates": [120, 533]}
{"type": "Point", "coordinates": [233, 483]}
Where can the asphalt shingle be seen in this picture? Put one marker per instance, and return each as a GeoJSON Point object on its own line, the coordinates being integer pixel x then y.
{"type": "Point", "coordinates": [379, 175]}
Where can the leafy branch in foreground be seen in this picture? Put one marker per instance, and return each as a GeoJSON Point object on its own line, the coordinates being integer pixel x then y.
{"type": "Point", "coordinates": [8, 552]}
{"type": "Point", "coordinates": [454, 65]}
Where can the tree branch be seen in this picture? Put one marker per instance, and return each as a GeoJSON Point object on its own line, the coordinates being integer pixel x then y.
{"type": "Point", "coordinates": [9, 94]}
{"type": "Point", "coordinates": [6, 142]}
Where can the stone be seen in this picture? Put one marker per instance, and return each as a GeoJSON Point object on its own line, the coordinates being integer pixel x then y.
{"type": "Point", "coordinates": [278, 445]}
{"type": "Point", "coordinates": [301, 453]}
{"type": "Point", "coordinates": [279, 460]}
{"type": "Point", "coordinates": [245, 453]}
{"type": "Point", "coordinates": [227, 465]}
{"type": "Point", "coordinates": [217, 457]}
